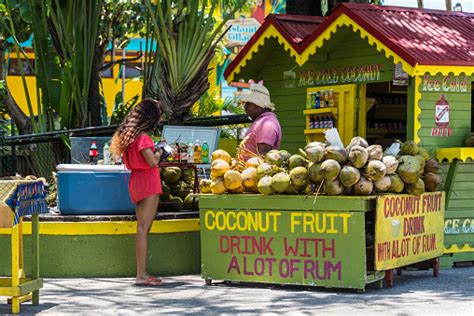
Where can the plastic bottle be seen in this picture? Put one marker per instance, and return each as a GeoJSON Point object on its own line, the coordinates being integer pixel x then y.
{"type": "Point", "coordinates": [190, 153]}
{"type": "Point", "coordinates": [197, 152]}
{"type": "Point", "coordinates": [184, 153]}
{"type": "Point", "coordinates": [93, 152]}
{"type": "Point", "coordinates": [205, 152]}
{"type": "Point", "coordinates": [322, 102]}
{"type": "Point", "coordinates": [106, 154]}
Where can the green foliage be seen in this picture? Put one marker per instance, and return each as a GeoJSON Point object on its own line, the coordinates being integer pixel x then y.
{"type": "Point", "coordinates": [209, 104]}
{"type": "Point", "coordinates": [121, 109]}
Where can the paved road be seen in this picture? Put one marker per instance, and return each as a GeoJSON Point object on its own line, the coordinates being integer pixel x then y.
{"type": "Point", "coordinates": [415, 293]}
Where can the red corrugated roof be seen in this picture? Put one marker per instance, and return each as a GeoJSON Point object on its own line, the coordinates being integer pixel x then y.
{"type": "Point", "coordinates": [295, 28]}
{"type": "Point", "coordinates": [419, 36]}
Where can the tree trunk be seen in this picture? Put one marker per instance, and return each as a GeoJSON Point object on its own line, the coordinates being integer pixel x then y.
{"type": "Point", "coordinates": [94, 88]}
{"type": "Point", "coordinates": [22, 121]}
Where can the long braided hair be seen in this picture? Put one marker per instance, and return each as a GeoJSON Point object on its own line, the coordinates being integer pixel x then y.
{"type": "Point", "coordinates": [144, 118]}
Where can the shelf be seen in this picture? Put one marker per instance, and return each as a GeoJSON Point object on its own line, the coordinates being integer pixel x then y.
{"type": "Point", "coordinates": [315, 131]}
{"type": "Point", "coordinates": [333, 110]}
{"type": "Point", "coordinates": [383, 131]}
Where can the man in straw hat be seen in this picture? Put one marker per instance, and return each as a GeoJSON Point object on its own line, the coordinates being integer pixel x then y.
{"type": "Point", "coordinates": [265, 132]}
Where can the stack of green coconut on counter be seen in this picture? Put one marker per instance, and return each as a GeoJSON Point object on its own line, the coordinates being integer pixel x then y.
{"type": "Point", "coordinates": [320, 168]}
{"type": "Point", "coordinates": [177, 184]}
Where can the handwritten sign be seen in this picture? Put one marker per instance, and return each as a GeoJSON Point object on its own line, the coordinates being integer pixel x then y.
{"type": "Point", "coordinates": [458, 226]}
{"type": "Point", "coordinates": [408, 229]}
{"type": "Point", "coordinates": [351, 74]}
{"type": "Point", "coordinates": [296, 247]}
{"type": "Point", "coordinates": [444, 84]}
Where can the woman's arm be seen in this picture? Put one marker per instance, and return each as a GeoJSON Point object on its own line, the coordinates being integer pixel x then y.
{"type": "Point", "coordinates": [152, 158]}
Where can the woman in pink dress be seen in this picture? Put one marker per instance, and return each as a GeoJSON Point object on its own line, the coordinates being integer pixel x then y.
{"type": "Point", "coordinates": [131, 140]}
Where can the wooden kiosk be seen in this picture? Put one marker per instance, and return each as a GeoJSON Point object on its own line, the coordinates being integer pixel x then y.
{"type": "Point", "coordinates": [393, 73]}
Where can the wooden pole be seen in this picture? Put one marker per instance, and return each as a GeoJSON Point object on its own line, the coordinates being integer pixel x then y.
{"type": "Point", "coordinates": [449, 5]}
{"type": "Point", "coordinates": [420, 4]}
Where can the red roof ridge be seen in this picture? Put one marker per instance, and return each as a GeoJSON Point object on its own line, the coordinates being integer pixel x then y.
{"type": "Point", "coordinates": [297, 18]}
{"type": "Point", "coordinates": [366, 6]}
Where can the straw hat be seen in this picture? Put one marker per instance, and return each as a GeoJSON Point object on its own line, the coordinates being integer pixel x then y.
{"type": "Point", "coordinates": [259, 96]}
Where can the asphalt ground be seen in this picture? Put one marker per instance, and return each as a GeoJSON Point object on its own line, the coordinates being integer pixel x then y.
{"type": "Point", "coordinates": [414, 293]}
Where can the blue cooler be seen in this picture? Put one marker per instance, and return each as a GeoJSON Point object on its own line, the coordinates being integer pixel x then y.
{"type": "Point", "coordinates": [94, 190]}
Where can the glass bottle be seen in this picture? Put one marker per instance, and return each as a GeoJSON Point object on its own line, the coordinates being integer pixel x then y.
{"type": "Point", "coordinates": [197, 152]}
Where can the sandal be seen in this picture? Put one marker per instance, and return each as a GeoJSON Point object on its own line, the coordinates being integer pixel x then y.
{"type": "Point", "coordinates": [150, 281]}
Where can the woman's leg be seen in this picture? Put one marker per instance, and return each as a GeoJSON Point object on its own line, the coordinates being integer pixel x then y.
{"type": "Point", "coordinates": [146, 212]}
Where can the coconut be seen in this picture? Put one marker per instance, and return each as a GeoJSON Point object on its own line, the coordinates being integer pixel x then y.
{"type": "Point", "coordinates": [249, 177]}
{"type": "Point", "coordinates": [273, 157]}
{"type": "Point", "coordinates": [424, 153]}
{"type": "Point", "coordinates": [375, 170]}
{"type": "Point", "coordinates": [239, 190]}
{"type": "Point", "coordinates": [469, 140]}
{"type": "Point", "coordinates": [295, 189]}
{"type": "Point", "coordinates": [171, 174]}
{"type": "Point", "coordinates": [348, 191]}
{"type": "Point", "coordinates": [205, 186]}
{"type": "Point", "coordinates": [383, 184]}
{"type": "Point", "coordinates": [363, 187]}
{"type": "Point", "coordinates": [349, 176]}
{"type": "Point", "coordinates": [431, 165]}
{"type": "Point", "coordinates": [337, 153]}
{"type": "Point", "coordinates": [265, 185]}
{"type": "Point", "coordinates": [358, 156]}
{"type": "Point", "coordinates": [409, 169]}
{"type": "Point", "coordinates": [296, 161]}
{"type": "Point", "coordinates": [218, 168]}
{"type": "Point", "coordinates": [421, 161]}
{"type": "Point", "coordinates": [280, 182]}
{"type": "Point", "coordinates": [221, 154]}
{"type": "Point", "coordinates": [218, 186]}
{"type": "Point", "coordinates": [166, 191]}
{"type": "Point", "coordinates": [375, 152]}
{"type": "Point", "coordinates": [314, 151]}
{"type": "Point", "coordinates": [299, 176]}
{"type": "Point", "coordinates": [391, 163]}
{"type": "Point", "coordinates": [254, 162]}
{"type": "Point", "coordinates": [396, 184]}
{"type": "Point", "coordinates": [409, 148]}
{"type": "Point", "coordinates": [330, 169]}
{"type": "Point", "coordinates": [314, 172]}
{"type": "Point", "coordinates": [264, 169]}
{"type": "Point", "coordinates": [233, 180]}
{"type": "Point", "coordinates": [432, 181]}
{"type": "Point", "coordinates": [416, 188]}
{"type": "Point", "coordinates": [357, 141]}
{"type": "Point", "coordinates": [333, 187]}
{"type": "Point", "coordinates": [285, 155]}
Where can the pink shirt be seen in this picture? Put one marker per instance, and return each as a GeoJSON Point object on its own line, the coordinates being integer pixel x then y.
{"type": "Point", "coordinates": [264, 130]}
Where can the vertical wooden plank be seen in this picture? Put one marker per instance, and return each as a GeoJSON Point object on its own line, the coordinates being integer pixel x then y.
{"type": "Point", "coordinates": [21, 272]}
{"type": "Point", "coordinates": [35, 254]}
{"type": "Point", "coordinates": [362, 113]}
{"type": "Point", "coordinates": [450, 180]}
{"type": "Point", "coordinates": [15, 266]}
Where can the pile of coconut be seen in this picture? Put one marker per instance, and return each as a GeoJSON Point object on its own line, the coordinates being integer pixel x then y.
{"type": "Point", "coordinates": [358, 169]}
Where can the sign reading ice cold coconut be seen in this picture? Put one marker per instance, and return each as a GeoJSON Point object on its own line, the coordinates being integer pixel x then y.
{"type": "Point", "coordinates": [291, 247]}
{"type": "Point", "coordinates": [408, 229]}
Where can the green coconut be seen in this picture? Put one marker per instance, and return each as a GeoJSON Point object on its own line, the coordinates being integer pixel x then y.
{"type": "Point", "coordinates": [187, 175]}
{"type": "Point", "coordinates": [280, 182]}
{"type": "Point", "coordinates": [330, 169]}
{"type": "Point", "coordinates": [205, 186]}
{"type": "Point", "coordinates": [375, 170]}
{"type": "Point", "coordinates": [469, 140]}
{"type": "Point", "coordinates": [409, 169]}
{"type": "Point", "coordinates": [409, 148]}
{"type": "Point", "coordinates": [171, 175]}
{"type": "Point", "coordinates": [274, 157]}
{"type": "Point", "coordinates": [314, 172]}
{"type": "Point", "coordinates": [296, 161]}
{"type": "Point", "coordinates": [337, 153]}
{"type": "Point", "coordinates": [265, 169]}
{"type": "Point", "coordinates": [363, 187]}
{"type": "Point", "coordinates": [295, 189]}
{"type": "Point", "coordinates": [424, 153]}
{"type": "Point", "coordinates": [189, 202]}
{"type": "Point", "coordinates": [421, 161]}
{"type": "Point", "coordinates": [333, 187]}
{"type": "Point", "coordinates": [165, 196]}
{"type": "Point", "coordinates": [358, 156]}
{"type": "Point", "coordinates": [299, 176]}
{"type": "Point", "coordinates": [314, 151]}
{"type": "Point", "coordinates": [265, 185]}
{"type": "Point", "coordinates": [349, 176]}
{"type": "Point", "coordinates": [396, 184]}
{"type": "Point", "coordinates": [285, 155]}
{"type": "Point", "coordinates": [416, 188]}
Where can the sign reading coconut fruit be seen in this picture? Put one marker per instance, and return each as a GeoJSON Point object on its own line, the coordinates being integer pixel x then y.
{"type": "Point", "coordinates": [408, 229]}
{"type": "Point", "coordinates": [292, 247]}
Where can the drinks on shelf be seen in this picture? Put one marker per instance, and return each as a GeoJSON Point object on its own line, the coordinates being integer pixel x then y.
{"type": "Point", "coordinates": [106, 153]}
{"type": "Point", "coordinates": [205, 152]}
{"type": "Point", "coordinates": [197, 152]}
{"type": "Point", "coordinates": [190, 153]}
{"type": "Point", "coordinates": [318, 121]}
{"type": "Point", "coordinates": [93, 153]}
{"type": "Point", "coordinates": [331, 100]}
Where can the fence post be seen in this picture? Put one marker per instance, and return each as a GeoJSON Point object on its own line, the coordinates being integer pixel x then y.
{"type": "Point", "coordinates": [13, 148]}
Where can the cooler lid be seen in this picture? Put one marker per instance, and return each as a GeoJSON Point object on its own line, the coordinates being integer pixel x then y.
{"type": "Point", "coordinates": [94, 168]}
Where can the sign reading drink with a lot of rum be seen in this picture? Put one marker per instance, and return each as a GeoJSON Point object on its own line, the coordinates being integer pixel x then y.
{"type": "Point", "coordinates": [297, 247]}
{"type": "Point", "coordinates": [408, 229]}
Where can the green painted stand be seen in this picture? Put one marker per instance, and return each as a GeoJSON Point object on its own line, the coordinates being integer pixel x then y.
{"type": "Point", "coordinates": [288, 240]}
